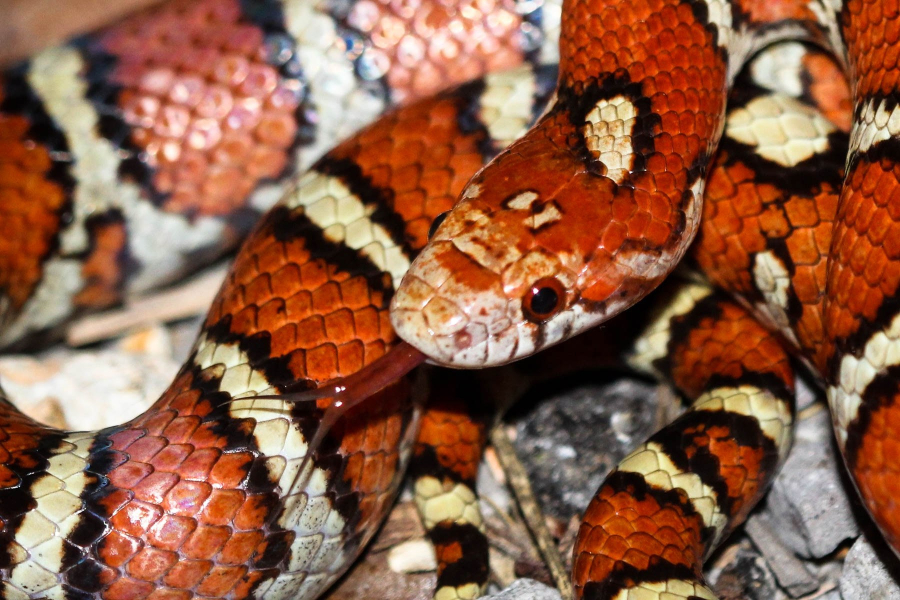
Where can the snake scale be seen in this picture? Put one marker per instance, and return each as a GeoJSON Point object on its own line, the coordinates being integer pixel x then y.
{"type": "Point", "coordinates": [132, 155]}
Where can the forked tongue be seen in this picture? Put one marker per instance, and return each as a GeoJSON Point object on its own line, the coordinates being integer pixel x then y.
{"type": "Point", "coordinates": [351, 391]}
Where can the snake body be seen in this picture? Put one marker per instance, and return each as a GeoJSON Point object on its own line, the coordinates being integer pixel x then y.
{"type": "Point", "coordinates": [224, 489]}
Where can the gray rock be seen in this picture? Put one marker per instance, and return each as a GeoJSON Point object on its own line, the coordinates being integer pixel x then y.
{"type": "Point", "coordinates": [525, 589]}
{"type": "Point", "coordinates": [572, 440]}
{"type": "Point", "coordinates": [808, 505]}
{"type": "Point", "coordinates": [746, 576]}
{"type": "Point", "coordinates": [866, 577]}
{"type": "Point", "coordinates": [790, 572]}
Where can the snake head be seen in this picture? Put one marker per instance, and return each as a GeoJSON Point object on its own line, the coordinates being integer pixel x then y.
{"type": "Point", "coordinates": [527, 259]}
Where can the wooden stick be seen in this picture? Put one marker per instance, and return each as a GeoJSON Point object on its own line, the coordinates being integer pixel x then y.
{"type": "Point", "coordinates": [188, 299]}
{"type": "Point", "coordinates": [534, 517]}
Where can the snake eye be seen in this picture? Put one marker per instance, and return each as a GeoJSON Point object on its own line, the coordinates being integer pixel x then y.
{"type": "Point", "coordinates": [543, 300]}
{"type": "Point", "coordinates": [437, 223]}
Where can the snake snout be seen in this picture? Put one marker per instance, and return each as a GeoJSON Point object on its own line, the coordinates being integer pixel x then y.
{"type": "Point", "coordinates": [453, 310]}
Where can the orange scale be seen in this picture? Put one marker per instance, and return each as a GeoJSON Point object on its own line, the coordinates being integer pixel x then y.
{"type": "Point", "coordinates": [151, 564]}
{"type": "Point", "coordinates": [259, 289]}
{"type": "Point", "coordinates": [154, 486]}
{"type": "Point", "coordinates": [240, 548]}
{"type": "Point", "coordinates": [326, 298]}
{"type": "Point", "coordinates": [373, 475]}
{"type": "Point", "coordinates": [676, 164]}
{"type": "Point", "coordinates": [638, 556]}
{"type": "Point", "coordinates": [244, 39]}
{"type": "Point", "coordinates": [213, 101]}
{"type": "Point", "coordinates": [184, 403]}
{"type": "Point", "coordinates": [692, 124]}
{"type": "Point", "coordinates": [446, 455]}
{"type": "Point", "coordinates": [242, 274]}
{"type": "Point", "coordinates": [157, 422]}
{"type": "Point", "coordinates": [219, 188]}
{"type": "Point", "coordinates": [284, 339]}
{"type": "Point", "coordinates": [350, 357]}
{"type": "Point", "coordinates": [244, 321]}
{"type": "Point", "coordinates": [33, 158]}
{"type": "Point", "coordinates": [595, 567]}
{"type": "Point", "coordinates": [172, 455]}
{"type": "Point", "coordinates": [321, 363]}
{"type": "Point", "coordinates": [222, 507]}
{"type": "Point", "coordinates": [297, 364]}
{"type": "Point", "coordinates": [169, 594]}
{"type": "Point", "coordinates": [682, 556]}
{"type": "Point", "coordinates": [611, 546]}
{"type": "Point", "coordinates": [230, 470]}
{"type": "Point", "coordinates": [265, 163]}
{"type": "Point", "coordinates": [205, 542]}
{"type": "Point", "coordinates": [136, 518]}
{"type": "Point", "coordinates": [673, 518]}
{"type": "Point", "coordinates": [271, 316]}
{"type": "Point", "coordinates": [13, 126]}
{"type": "Point", "coordinates": [310, 332]}
{"type": "Point", "coordinates": [339, 326]}
{"type": "Point", "coordinates": [128, 475]}
{"type": "Point", "coordinates": [879, 231]}
{"type": "Point", "coordinates": [122, 439]}
{"type": "Point", "coordinates": [127, 588]}
{"type": "Point", "coordinates": [186, 497]}
{"type": "Point", "coordinates": [674, 538]}
{"type": "Point", "coordinates": [192, 166]}
{"type": "Point", "coordinates": [356, 293]}
{"type": "Point", "coordinates": [286, 278]}
{"type": "Point", "coordinates": [8, 478]}
{"type": "Point", "coordinates": [116, 549]}
{"type": "Point", "coordinates": [314, 274]}
{"type": "Point", "coordinates": [11, 176]}
{"type": "Point", "coordinates": [276, 129]}
{"type": "Point", "coordinates": [620, 524]}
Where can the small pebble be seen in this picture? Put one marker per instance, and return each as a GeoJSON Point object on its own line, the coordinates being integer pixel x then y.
{"type": "Point", "coordinates": [866, 577]}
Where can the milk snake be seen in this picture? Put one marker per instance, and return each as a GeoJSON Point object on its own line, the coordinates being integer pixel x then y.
{"type": "Point", "coordinates": [130, 154]}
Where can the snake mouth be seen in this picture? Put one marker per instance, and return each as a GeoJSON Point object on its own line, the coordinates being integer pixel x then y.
{"type": "Point", "coordinates": [452, 309]}
{"type": "Point", "coordinates": [449, 336]}
{"type": "Point", "coordinates": [439, 330]}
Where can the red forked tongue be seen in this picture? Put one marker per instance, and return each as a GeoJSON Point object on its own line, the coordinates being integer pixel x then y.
{"type": "Point", "coordinates": [350, 391]}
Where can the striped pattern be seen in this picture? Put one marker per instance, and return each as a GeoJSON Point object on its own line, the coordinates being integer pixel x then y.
{"type": "Point", "coordinates": [444, 468]}
{"type": "Point", "coordinates": [670, 502]}
{"type": "Point", "coordinates": [239, 121]}
{"type": "Point", "coordinates": [204, 494]}
{"type": "Point", "coordinates": [38, 548]}
{"type": "Point", "coordinates": [218, 492]}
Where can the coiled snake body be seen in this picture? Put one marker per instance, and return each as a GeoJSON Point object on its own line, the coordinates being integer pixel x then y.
{"type": "Point", "coordinates": [129, 154]}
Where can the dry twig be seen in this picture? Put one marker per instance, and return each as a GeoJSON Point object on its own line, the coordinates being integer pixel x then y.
{"type": "Point", "coordinates": [531, 512]}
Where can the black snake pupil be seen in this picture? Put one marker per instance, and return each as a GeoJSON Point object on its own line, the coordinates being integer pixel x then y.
{"type": "Point", "coordinates": [437, 223]}
{"type": "Point", "coordinates": [544, 301]}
